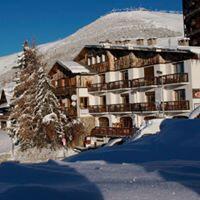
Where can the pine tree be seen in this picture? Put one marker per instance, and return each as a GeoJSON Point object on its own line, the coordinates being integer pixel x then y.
{"type": "Point", "coordinates": [49, 120]}
{"type": "Point", "coordinates": [36, 118]}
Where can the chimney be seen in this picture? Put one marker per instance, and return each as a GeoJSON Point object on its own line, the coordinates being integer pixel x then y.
{"type": "Point", "coordinates": [140, 41]}
{"type": "Point", "coordinates": [183, 42]}
{"type": "Point", "coordinates": [152, 41]}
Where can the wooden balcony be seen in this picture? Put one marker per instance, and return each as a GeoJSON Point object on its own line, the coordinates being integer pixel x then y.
{"type": "Point", "coordinates": [64, 91]}
{"type": "Point", "coordinates": [141, 107]}
{"type": "Point", "coordinates": [141, 82]}
{"type": "Point", "coordinates": [177, 105]}
{"type": "Point", "coordinates": [98, 109]}
{"type": "Point", "coordinates": [101, 67]}
{"type": "Point", "coordinates": [119, 108]}
{"type": "Point", "coordinates": [98, 87]}
{"type": "Point", "coordinates": [173, 78]}
{"type": "Point", "coordinates": [167, 79]}
{"type": "Point", "coordinates": [112, 132]}
{"type": "Point", "coordinates": [144, 107]}
{"type": "Point", "coordinates": [118, 85]}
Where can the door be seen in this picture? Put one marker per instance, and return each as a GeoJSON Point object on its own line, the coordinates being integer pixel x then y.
{"type": "Point", "coordinates": [150, 97]}
{"type": "Point", "coordinates": [103, 122]}
{"type": "Point", "coordinates": [180, 95]}
{"type": "Point", "coordinates": [126, 122]}
{"type": "Point", "coordinates": [149, 73]}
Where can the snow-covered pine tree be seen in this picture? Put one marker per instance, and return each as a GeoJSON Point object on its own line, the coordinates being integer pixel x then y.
{"type": "Point", "coordinates": [48, 117]}
{"type": "Point", "coordinates": [36, 119]}
{"type": "Point", "coordinates": [21, 118]}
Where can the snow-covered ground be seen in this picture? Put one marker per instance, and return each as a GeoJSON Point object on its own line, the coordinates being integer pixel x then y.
{"type": "Point", "coordinates": [5, 143]}
{"type": "Point", "coordinates": [159, 167]}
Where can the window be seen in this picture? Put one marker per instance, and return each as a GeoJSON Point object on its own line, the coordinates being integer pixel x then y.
{"type": "Point", "coordinates": [180, 95]}
{"type": "Point", "coordinates": [150, 96]}
{"type": "Point", "coordinates": [98, 59]}
{"type": "Point", "coordinates": [179, 68]}
{"type": "Point", "coordinates": [102, 78]}
{"type": "Point", "coordinates": [124, 75]}
{"type": "Point", "coordinates": [84, 102]}
{"type": "Point", "coordinates": [89, 61]}
{"type": "Point", "coordinates": [149, 73]}
{"type": "Point", "coordinates": [103, 58]}
{"type": "Point", "coordinates": [103, 100]}
{"type": "Point", "coordinates": [125, 99]}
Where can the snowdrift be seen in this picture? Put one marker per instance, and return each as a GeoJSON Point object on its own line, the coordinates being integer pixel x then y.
{"type": "Point", "coordinates": [163, 167]}
{"type": "Point", "coordinates": [178, 139]}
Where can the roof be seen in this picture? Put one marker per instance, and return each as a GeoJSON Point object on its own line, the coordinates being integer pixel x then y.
{"type": "Point", "coordinates": [74, 67]}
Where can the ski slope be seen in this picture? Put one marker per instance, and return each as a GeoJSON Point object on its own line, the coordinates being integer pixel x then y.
{"type": "Point", "coordinates": [160, 167]}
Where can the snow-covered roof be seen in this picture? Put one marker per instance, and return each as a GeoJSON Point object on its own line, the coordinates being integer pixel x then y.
{"type": "Point", "coordinates": [74, 67]}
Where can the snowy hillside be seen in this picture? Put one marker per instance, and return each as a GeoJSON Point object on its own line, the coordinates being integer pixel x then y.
{"type": "Point", "coordinates": [114, 26]}
{"type": "Point", "coordinates": [160, 167]}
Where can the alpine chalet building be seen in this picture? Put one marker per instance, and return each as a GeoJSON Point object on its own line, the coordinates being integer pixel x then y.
{"type": "Point", "coordinates": [139, 81]}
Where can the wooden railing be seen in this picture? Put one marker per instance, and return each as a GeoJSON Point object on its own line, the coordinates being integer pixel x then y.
{"type": "Point", "coordinates": [118, 84]}
{"type": "Point", "coordinates": [119, 108]}
{"type": "Point", "coordinates": [97, 87]}
{"type": "Point", "coordinates": [166, 79]}
{"type": "Point", "coordinates": [173, 78]}
{"type": "Point", "coordinates": [177, 105]}
{"type": "Point", "coordinates": [112, 132]}
{"type": "Point", "coordinates": [140, 82]}
{"type": "Point", "coordinates": [141, 107]}
{"type": "Point", "coordinates": [64, 91]}
{"type": "Point", "coordinates": [101, 67]}
{"type": "Point", "coordinates": [98, 109]}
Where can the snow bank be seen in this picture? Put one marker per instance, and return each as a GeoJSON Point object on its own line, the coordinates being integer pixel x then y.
{"type": "Point", "coordinates": [178, 139]}
{"type": "Point", "coordinates": [162, 167]}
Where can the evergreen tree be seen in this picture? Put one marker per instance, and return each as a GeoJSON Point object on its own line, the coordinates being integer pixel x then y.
{"type": "Point", "coordinates": [36, 119]}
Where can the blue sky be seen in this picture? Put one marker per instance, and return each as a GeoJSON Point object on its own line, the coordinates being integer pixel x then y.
{"type": "Point", "coordinates": [49, 20]}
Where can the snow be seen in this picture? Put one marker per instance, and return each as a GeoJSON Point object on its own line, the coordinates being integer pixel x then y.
{"type": "Point", "coordinates": [194, 114]}
{"type": "Point", "coordinates": [74, 67]}
{"type": "Point", "coordinates": [159, 167]}
{"type": "Point", "coordinates": [50, 118]}
{"type": "Point", "coordinates": [5, 143]}
{"type": "Point", "coordinates": [114, 26]}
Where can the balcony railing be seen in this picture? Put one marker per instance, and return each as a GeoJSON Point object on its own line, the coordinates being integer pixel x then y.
{"type": "Point", "coordinates": [119, 108]}
{"type": "Point", "coordinates": [141, 107]}
{"type": "Point", "coordinates": [112, 132]}
{"type": "Point", "coordinates": [101, 67]}
{"type": "Point", "coordinates": [173, 78]}
{"type": "Point", "coordinates": [177, 105]}
{"type": "Point", "coordinates": [140, 82]}
{"type": "Point", "coordinates": [98, 109]}
{"type": "Point", "coordinates": [118, 84]}
{"type": "Point", "coordinates": [167, 79]}
{"type": "Point", "coordinates": [64, 91]}
{"type": "Point", "coordinates": [97, 87]}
